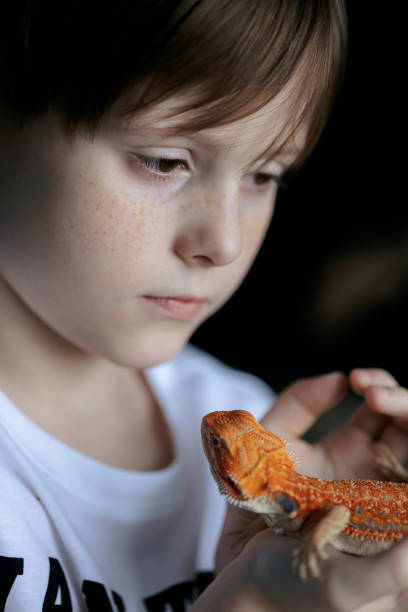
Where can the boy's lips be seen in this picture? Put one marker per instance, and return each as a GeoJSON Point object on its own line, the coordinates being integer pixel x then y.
{"type": "Point", "coordinates": [185, 307]}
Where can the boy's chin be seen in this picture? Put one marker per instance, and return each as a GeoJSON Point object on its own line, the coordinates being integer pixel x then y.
{"type": "Point", "coordinates": [146, 352]}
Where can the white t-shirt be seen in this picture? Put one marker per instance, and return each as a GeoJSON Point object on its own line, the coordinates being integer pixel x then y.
{"type": "Point", "coordinates": [76, 534]}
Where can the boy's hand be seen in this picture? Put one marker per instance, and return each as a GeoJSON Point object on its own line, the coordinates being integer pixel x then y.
{"type": "Point", "coordinates": [348, 452]}
{"type": "Point", "coordinates": [261, 580]}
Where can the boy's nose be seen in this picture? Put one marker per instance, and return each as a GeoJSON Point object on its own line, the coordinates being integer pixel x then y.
{"type": "Point", "coordinates": [211, 232]}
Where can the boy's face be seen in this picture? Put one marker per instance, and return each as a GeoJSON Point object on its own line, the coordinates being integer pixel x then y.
{"type": "Point", "coordinates": [125, 243]}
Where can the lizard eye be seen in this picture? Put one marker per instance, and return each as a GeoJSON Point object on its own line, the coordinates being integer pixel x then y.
{"type": "Point", "coordinates": [215, 441]}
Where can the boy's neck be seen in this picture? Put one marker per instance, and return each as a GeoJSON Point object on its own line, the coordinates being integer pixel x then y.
{"type": "Point", "coordinates": [67, 391]}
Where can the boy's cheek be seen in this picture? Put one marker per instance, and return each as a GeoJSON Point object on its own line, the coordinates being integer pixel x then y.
{"type": "Point", "coordinates": [117, 225]}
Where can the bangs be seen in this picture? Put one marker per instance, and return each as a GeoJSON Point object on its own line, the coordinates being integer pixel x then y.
{"type": "Point", "coordinates": [226, 58]}
{"type": "Point", "coordinates": [229, 63]}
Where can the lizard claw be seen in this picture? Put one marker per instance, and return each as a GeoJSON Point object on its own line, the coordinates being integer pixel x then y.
{"type": "Point", "coordinates": [313, 546]}
{"type": "Point", "coordinates": [242, 536]}
{"type": "Point", "coordinates": [306, 558]}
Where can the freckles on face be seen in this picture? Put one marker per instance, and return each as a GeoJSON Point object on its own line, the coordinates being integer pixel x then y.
{"type": "Point", "coordinates": [224, 230]}
{"type": "Point", "coordinates": [98, 243]}
{"type": "Point", "coordinates": [86, 242]}
{"type": "Point", "coordinates": [111, 229]}
{"type": "Point", "coordinates": [100, 238]}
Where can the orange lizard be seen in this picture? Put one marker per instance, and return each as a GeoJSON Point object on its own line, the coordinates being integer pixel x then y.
{"type": "Point", "coordinates": [255, 471]}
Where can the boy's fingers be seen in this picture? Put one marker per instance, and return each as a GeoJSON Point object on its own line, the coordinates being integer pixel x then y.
{"type": "Point", "coordinates": [383, 575]}
{"type": "Point", "coordinates": [383, 407]}
{"type": "Point", "coordinates": [371, 578]}
{"type": "Point", "coordinates": [389, 400]}
{"type": "Point", "coordinates": [347, 582]}
{"type": "Point", "coordinates": [372, 423]}
{"type": "Point", "coordinates": [298, 406]}
{"type": "Point", "coordinates": [361, 378]}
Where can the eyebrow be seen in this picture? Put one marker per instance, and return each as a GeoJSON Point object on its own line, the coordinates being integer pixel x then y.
{"type": "Point", "coordinates": [285, 155]}
{"type": "Point", "coordinates": [207, 140]}
{"type": "Point", "coordinates": [173, 131]}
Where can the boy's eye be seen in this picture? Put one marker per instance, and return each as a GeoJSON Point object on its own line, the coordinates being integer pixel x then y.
{"type": "Point", "coordinates": [162, 165]}
{"type": "Point", "coordinates": [260, 179]}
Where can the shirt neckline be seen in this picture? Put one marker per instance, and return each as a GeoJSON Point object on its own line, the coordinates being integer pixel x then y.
{"type": "Point", "coordinates": [95, 482]}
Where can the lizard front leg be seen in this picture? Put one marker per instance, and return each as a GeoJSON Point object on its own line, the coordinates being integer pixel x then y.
{"type": "Point", "coordinates": [281, 515]}
{"type": "Point", "coordinates": [242, 536]}
{"type": "Point", "coordinates": [314, 541]}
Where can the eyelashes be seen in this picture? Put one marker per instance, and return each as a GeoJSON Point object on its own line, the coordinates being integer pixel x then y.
{"type": "Point", "coordinates": [166, 169]}
{"type": "Point", "coordinates": [162, 165]}
{"type": "Point", "coordinates": [262, 178]}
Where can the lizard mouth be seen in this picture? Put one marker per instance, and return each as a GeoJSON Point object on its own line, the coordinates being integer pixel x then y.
{"type": "Point", "coordinates": [234, 489]}
{"type": "Point", "coordinates": [230, 488]}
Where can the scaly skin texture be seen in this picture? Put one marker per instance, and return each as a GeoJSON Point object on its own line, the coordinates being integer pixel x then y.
{"type": "Point", "coordinates": [255, 471]}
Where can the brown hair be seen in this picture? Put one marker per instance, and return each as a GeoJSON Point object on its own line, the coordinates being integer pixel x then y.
{"type": "Point", "coordinates": [79, 57]}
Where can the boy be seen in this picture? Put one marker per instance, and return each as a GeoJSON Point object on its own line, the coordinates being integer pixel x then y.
{"type": "Point", "coordinates": [141, 149]}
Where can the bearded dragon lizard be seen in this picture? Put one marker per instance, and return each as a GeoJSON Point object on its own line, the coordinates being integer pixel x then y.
{"type": "Point", "coordinates": [254, 470]}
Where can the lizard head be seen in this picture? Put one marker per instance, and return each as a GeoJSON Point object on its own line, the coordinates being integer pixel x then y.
{"type": "Point", "coordinates": [237, 448]}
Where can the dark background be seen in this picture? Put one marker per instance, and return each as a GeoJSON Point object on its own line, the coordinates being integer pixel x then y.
{"type": "Point", "coordinates": [329, 289]}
